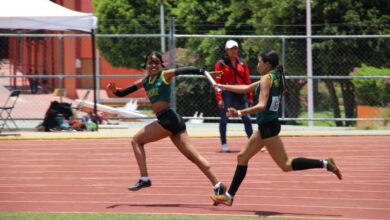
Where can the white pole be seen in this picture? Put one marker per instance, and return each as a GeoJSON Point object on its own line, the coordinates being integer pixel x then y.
{"type": "Point", "coordinates": [172, 58]}
{"type": "Point", "coordinates": [310, 107]}
{"type": "Point", "coordinates": [61, 66]}
{"type": "Point", "coordinates": [162, 26]}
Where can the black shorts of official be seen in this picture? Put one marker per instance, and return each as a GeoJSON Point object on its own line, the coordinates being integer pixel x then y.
{"type": "Point", "coordinates": [270, 129]}
{"type": "Point", "coordinates": [171, 121]}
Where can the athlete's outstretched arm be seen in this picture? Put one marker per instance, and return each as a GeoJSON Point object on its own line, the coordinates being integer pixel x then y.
{"type": "Point", "coordinates": [265, 84]}
{"type": "Point", "coordinates": [124, 92]}
{"type": "Point", "coordinates": [239, 88]}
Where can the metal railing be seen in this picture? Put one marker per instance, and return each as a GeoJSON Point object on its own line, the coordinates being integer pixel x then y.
{"type": "Point", "coordinates": [189, 101]}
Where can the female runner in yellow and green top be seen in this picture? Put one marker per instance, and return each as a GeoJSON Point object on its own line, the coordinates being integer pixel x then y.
{"type": "Point", "coordinates": [268, 94]}
{"type": "Point", "coordinates": [168, 124]}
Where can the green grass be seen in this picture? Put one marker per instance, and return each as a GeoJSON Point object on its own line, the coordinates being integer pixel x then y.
{"type": "Point", "coordinates": [319, 114]}
{"type": "Point", "coordinates": [100, 216]}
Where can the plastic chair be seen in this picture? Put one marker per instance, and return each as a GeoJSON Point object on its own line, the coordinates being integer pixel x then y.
{"type": "Point", "coordinates": [6, 110]}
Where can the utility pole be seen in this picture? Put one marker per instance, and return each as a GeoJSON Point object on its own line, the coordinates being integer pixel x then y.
{"type": "Point", "coordinates": [162, 27]}
{"type": "Point", "coordinates": [310, 102]}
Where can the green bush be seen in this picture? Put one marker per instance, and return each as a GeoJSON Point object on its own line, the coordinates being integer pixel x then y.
{"type": "Point", "coordinates": [372, 92]}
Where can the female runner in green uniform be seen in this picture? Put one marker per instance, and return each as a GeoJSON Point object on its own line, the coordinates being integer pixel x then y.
{"type": "Point", "coordinates": [268, 94]}
{"type": "Point", "coordinates": [168, 124]}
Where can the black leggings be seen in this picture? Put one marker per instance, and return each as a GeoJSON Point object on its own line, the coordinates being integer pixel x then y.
{"type": "Point", "coordinates": [171, 121]}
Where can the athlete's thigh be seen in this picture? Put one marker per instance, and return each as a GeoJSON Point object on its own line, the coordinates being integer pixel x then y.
{"type": "Point", "coordinates": [150, 133]}
{"type": "Point", "coordinates": [252, 147]}
{"type": "Point", "coordinates": [276, 149]}
{"type": "Point", "coordinates": [183, 143]}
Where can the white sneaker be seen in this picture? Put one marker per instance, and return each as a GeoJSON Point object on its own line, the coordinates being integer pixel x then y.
{"type": "Point", "coordinates": [225, 148]}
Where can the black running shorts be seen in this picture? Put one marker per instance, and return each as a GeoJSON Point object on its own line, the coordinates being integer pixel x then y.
{"type": "Point", "coordinates": [270, 129]}
{"type": "Point", "coordinates": [171, 121]}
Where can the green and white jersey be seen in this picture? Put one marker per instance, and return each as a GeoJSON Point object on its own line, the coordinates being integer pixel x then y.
{"type": "Point", "coordinates": [272, 109]}
{"type": "Point", "coordinates": [157, 89]}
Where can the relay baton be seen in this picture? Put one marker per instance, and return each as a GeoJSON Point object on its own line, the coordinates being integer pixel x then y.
{"type": "Point", "coordinates": [212, 81]}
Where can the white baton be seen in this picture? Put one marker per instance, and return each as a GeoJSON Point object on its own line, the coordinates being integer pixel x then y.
{"type": "Point", "coordinates": [212, 81]}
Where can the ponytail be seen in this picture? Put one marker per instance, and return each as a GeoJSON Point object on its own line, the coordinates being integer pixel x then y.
{"type": "Point", "coordinates": [273, 58]}
{"type": "Point", "coordinates": [279, 68]}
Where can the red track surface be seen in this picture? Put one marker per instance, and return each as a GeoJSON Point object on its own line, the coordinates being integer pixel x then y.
{"type": "Point", "coordinates": [93, 176]}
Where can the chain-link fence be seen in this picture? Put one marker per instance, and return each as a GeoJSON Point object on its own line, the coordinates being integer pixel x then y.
{"type": "Point", "coordinates": [59, 67]}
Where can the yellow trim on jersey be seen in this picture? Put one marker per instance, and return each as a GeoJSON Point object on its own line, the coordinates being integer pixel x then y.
{"type": "Point", "coordinates": [151, 81]}
{"type": "Point", "coordinates": [163, 78]}
{"type": "Point", "coordinates": [272, 80]}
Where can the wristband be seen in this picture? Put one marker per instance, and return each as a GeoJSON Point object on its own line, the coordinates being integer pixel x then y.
{"type": "Point", "coordinates": [188, 70]}
{"type": "Point", "coordinates": [125, 92]}
{"type": "Point", "coordinates": [239, 113]}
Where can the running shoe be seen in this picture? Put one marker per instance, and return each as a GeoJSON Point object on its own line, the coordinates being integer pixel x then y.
{"type": "Point", "coordinates": [222, 199]}
{"type": "Point", "coordinates": [331, 167]}
{"type": "Point", "coordinates": [225, 148]}
{"type": "Point", "coordinates": [140, 184]}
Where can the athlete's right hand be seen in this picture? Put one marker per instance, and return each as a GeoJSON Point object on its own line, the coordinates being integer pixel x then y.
{"type": "Point", "coordinates": [232, 112]}
{"type": "Point", "coordinates": [112, 87]}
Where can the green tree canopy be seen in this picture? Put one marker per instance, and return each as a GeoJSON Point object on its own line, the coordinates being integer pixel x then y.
{"type": "Point", "coordinates": [266, 17]}
{"type": "Point", "coordinates": [249, 17]}
{"type": "Point", "coordinates": [128, 17]}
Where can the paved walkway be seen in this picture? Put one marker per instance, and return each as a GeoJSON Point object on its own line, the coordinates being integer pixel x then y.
{"type": "Point", "coordinates": [126, 130]}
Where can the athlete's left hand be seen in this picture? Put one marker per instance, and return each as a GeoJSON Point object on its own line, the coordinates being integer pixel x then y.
{"type": "Point", "coordinates": [232, 112]}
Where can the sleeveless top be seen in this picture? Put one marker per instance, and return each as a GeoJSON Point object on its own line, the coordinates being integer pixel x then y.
{"type": "Point", "coordinates": [157, 89]}
{"type": "Point", "coordinates": [273, 103]}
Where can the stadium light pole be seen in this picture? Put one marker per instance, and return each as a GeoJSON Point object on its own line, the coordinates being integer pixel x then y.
{"type": "Point", "coordinates": [310, 102]}
{"type": "Point", "coordinates": [162, 26]}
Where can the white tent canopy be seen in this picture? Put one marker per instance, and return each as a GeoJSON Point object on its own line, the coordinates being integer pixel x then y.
{"type": "Point", "coordinates": [46, 15]}
{"type": "Point", "coordinates": [43, 14]}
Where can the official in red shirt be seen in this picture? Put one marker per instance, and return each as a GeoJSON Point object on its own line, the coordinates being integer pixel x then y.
{"type": "Point", "coordinates": [235, 72]}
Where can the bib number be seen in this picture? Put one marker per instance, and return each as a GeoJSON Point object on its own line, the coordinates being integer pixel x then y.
{"type": "Point", "coordinates": [275, 104]}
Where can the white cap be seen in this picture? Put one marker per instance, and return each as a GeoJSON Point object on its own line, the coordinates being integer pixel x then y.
{"type": "Point", "coordinates": [230, 44]}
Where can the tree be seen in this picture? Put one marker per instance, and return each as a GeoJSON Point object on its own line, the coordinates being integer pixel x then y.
{"type": "Point", "coordinates": [267, 17]}
{"type": "Point", "coordinates": [330, 56]}
{"type": "Point", "coordinates": [340, 56]}
{"type": "Point", "coordinates": [199, 17]}
{"type": "Point", "coordinates": [128, 17]}
{"type": "Point", "coordinates": [202, 17]}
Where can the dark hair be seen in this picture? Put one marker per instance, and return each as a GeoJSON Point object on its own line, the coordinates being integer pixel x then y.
{"type": "Point", "coordinates": [156, 54]}
{"type": "Point", "coordinates": [272, 58]}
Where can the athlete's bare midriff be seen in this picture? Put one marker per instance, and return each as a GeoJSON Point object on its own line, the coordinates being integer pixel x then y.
{"type": "Point", "coordinates": [160, 106]}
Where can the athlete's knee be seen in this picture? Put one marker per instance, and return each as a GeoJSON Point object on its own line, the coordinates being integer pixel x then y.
{"type": "Point", "coordinates": [242, 159]}
{"type": "Point", "coordinates": [135, 142]}
{"type": "Point", "coordinates": [286, 167]}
